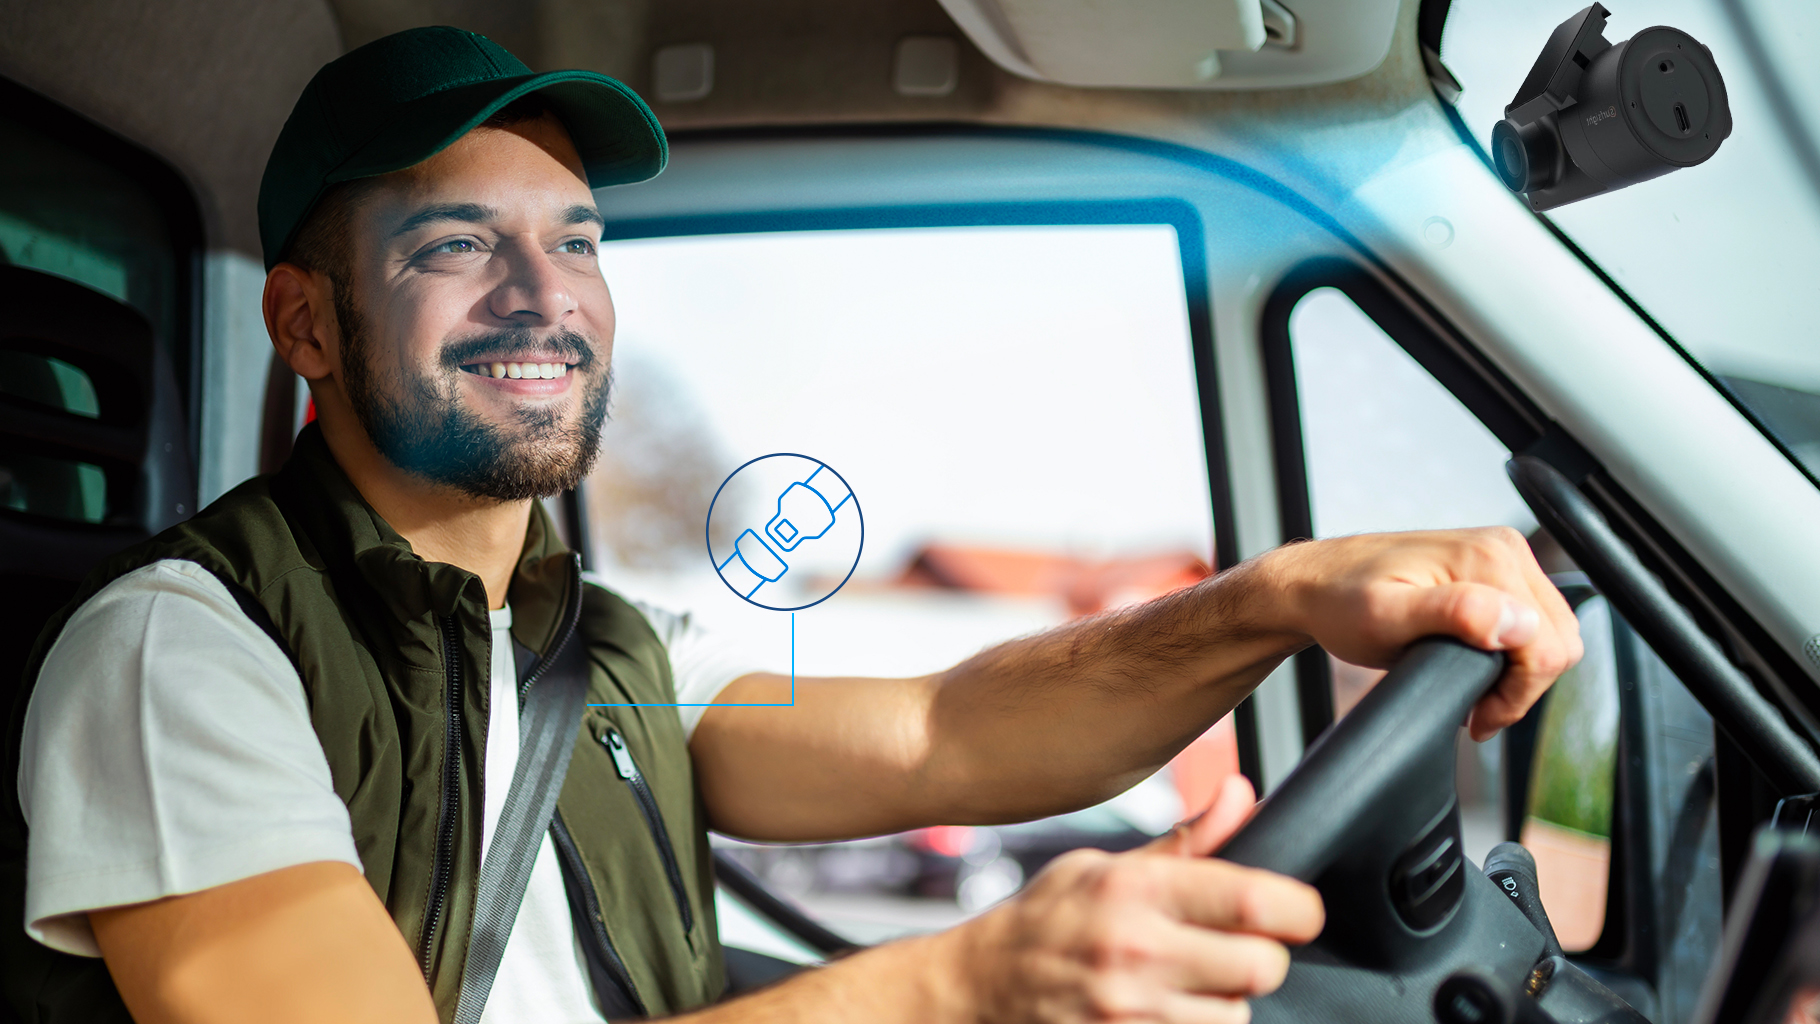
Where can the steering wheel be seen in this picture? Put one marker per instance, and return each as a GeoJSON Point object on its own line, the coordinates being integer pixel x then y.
{"type": "Point", "coordinates": [1414, 932]}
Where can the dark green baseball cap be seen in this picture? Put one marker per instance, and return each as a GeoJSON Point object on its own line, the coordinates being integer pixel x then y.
{"type": "Point", "coordinates": [400, 100]}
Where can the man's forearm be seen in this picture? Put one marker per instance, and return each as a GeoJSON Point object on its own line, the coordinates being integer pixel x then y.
{"type": "Point", "coordinates": [1069, 717]}
{"type": "Point", "coordinates": [912, 981]}
{"type": "Point", "coordinates": [1034, 726]}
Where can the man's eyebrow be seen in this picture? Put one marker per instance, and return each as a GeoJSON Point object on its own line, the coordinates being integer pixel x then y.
{"type": "Point", "coordinates": [580, 214]}
{"type": "Point", "coordinates": [474, 213]}
{"type": "Point", "coordinates": [470, 213]}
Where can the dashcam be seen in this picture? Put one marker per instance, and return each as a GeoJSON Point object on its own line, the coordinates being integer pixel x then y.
{"type": "Point", "coordinates": [1595, 116]}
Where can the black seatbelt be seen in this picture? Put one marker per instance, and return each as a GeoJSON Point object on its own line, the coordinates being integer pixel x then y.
{"type": "Point", "coordinates": [547, 723]}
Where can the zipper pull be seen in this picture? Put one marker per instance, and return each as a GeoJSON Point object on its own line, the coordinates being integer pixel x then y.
{"type": "Point", "coordinates": [622, 756]}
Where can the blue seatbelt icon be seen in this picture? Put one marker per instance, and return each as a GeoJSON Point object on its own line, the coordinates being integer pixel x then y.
{"type": "Point", "coordinates": [805, 511]}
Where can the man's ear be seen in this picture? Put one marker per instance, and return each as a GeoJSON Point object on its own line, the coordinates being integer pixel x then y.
{"type": "Point", "coordinates": [300, 317]}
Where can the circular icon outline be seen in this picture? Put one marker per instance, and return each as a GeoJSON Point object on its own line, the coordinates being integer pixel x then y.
{"type": "Point", "coordinates": [708, 538]}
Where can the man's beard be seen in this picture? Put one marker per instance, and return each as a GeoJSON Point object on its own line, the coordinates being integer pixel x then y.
{"type": "Point", "coordinates": [418, 421]}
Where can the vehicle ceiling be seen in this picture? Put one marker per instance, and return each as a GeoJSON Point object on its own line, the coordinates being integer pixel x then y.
{"type": "Point", "coordinates": [207, 83]}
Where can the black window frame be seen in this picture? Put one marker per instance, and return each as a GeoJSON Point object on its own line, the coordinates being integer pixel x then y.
{"type": "Point", "coordinates": [1525, 429]}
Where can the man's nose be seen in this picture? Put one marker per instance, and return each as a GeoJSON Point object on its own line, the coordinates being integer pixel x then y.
{"type": "Point", "coordinates": [533, 291]}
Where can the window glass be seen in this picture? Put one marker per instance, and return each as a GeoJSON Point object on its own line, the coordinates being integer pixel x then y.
{"type": "Point", "coordinates": [1567, 824]}
{"type": "Point", "coordinates": [1724, 255]}
{"type": "Point", "coordinates": [56, 488]}
{"type": "Point", "coordinates": [1014, 410]}
{"type": "Point", "coordinates": [48, 381]}
{"type": "Point", "coordinates": [1567, 816]}
{"type": "Point", "coordinates": [1387, 448]}
{"type": "Point", "coordinates": [67, 213]}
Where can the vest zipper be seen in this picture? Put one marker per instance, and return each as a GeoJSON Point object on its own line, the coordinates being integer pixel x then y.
{"type": "Point", "coordinates": [443, 865]}
{"type": "Point", "coordinates": [607, 958]}
{"type": "Point", "coordinates": [654, 819]}
{"type": "Point", "coordinates": [571, 619]}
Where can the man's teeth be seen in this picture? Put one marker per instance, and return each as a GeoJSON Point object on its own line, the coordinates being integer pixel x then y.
{"type": "Point", "coordinates": [522, 371]}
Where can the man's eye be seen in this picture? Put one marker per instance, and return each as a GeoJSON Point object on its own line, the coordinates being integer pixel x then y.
{"type": "Point", "coordinates": [578, 247]}
{"type": "Point", "coordinates": [458, 245]}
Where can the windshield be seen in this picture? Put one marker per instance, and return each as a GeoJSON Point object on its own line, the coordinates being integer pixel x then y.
{"type": "Point", "coordinates": [1724, 255]}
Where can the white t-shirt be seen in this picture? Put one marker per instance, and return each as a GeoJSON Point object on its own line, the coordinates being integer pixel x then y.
{"type": "Point", "coordinates": [168, 749]}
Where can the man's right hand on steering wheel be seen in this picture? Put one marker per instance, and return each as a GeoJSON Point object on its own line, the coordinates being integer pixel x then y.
{"type": "Point", "coordinates": [1161, 933]}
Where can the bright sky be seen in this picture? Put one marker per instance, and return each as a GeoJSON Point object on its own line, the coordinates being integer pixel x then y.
{"type": "Point", "coordinates": [1388, 447]}
{"type": "Point", "coordinates": [1027, 387]}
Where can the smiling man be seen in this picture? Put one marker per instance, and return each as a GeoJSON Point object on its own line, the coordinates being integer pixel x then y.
{"type": "Point", "coordinates": [320, 754]}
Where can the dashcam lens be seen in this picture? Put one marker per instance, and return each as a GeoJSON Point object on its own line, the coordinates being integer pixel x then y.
{"type": "Point", "coordinates": [1507, 154]}
{"type": "Point", "coordinates": [1527, 157]}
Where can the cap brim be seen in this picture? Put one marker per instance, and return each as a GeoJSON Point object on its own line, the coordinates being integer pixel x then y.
{"type": "Point", "coordinates": [616, 135]}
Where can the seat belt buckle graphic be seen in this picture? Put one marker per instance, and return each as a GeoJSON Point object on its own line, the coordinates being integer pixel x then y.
{"type": "Point", "coordinates": [759, 558]}
{"type": "Point", "coordinates": [802, 514]}
{"type": "Point", "coordinates": [751, 565]}
{"type": "Point", "coordinates": [807, 502]}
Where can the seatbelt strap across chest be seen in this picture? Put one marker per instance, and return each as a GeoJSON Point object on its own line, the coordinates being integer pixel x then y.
{"type": "Point", "coordinates": [547, 724]}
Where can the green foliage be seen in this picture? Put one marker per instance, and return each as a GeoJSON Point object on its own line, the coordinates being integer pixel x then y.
{"type": "Point", "coordinates": [1574, 770]}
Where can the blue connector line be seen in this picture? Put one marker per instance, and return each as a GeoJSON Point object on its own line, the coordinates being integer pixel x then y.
{"type": "Point", "coordinates": [712, 704]}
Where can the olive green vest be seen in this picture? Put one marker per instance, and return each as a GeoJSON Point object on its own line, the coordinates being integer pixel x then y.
{"type": "Point", "coordinates": [393, 653]}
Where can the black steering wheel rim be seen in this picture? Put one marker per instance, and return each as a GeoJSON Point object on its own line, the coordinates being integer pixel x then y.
{"type": "Point", "coordinates": [1370, 818]}
{"type": "Point", "coordinates": [1394, 733]}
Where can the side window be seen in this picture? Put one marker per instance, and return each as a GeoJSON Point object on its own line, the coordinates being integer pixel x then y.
{"type": "Point", "coordinates": [83, 208]}
{"type": "Point", "coordinates": [73, 214]}
{"type": "Point", "coordinates": [1015, 411]}
{"type": "Point", "coordinates": [1627, 860]}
